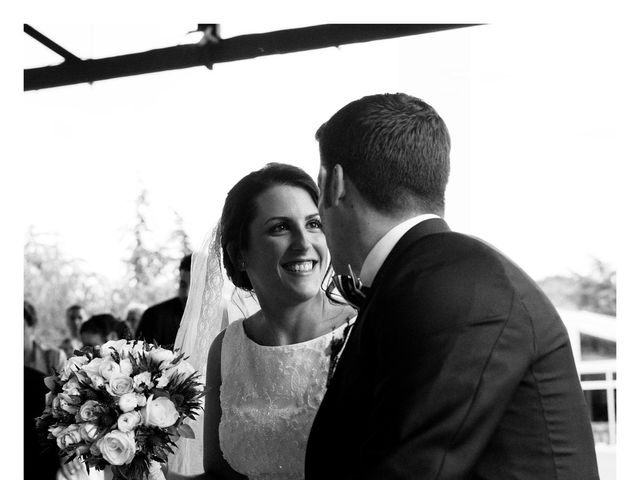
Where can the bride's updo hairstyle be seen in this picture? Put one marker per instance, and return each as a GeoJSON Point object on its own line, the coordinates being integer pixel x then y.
{"type": "Point", "coordinates": [240, 209]}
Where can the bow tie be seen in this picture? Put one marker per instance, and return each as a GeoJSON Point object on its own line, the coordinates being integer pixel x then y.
{"type": "Point", "coordinates": [351, 289]}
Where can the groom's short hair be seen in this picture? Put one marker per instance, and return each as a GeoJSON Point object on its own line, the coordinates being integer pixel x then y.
{"type": "Point", "coordinates": [393, 147]}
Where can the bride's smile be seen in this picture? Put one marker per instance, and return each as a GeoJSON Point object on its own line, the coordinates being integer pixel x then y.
{"type": "Point", "coordinates": [300, 266]}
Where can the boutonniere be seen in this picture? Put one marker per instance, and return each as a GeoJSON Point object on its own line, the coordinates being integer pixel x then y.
{"type": "Point", "coordinates": [335, 349]}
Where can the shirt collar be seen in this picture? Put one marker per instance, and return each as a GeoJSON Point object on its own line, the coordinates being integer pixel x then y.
{"type": "Point", "coordinates": [381, 250]}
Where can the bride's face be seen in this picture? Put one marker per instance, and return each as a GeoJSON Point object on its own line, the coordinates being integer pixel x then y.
{"type": "Point", "coordinates": [287, 254]}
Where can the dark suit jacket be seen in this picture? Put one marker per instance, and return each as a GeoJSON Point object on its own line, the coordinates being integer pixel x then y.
{"type": "Point", "coordinates": [161, 322]}
{"type": "Point", "coordinates": [458, 367]}
{"type": "Point", "coordinates": [41, 462]}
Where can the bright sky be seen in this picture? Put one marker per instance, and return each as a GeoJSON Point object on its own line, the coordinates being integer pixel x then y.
{"type": "Point", "coordinates": [541, 105]}
{"type": "Point", "coordinates": [526, 112]}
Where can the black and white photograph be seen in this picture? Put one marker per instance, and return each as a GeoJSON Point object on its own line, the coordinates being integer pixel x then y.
{"type": "Point", "coordinates": [326, 246]}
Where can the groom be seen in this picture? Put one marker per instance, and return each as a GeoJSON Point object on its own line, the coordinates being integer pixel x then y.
{"type": "Point", "coordinates": [458, 366]}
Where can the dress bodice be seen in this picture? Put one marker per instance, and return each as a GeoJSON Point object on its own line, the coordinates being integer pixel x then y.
{"type": "Point", "coordinates": [269, 397]}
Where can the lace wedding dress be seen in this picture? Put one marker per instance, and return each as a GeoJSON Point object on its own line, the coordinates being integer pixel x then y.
{"type": "Point", "coordinates": [269, 394]}
{"type": "Point", "coordinates": [269, 397]}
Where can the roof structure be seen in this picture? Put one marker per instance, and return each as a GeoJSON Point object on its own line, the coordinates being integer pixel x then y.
{"type": "Point", "coordinates": [211, 49]}
{"type": "Point", "coordinates": [590, 323]}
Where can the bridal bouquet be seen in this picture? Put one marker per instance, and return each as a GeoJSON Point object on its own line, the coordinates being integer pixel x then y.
{"type": "Point", "coordinates": [121, 405]}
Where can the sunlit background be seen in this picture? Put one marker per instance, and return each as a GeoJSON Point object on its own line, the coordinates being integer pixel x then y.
{"type": "Point", "coordinates": [536, 113]}
{"type": "Point", "coordinates": [532, 134]}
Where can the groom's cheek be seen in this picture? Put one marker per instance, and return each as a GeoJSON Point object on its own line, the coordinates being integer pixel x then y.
{"type": "Point", "coordinates": [322, 181]}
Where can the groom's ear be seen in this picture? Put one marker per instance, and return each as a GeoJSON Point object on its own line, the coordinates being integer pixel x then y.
{"type": "Point", "coordinates": [332, 185]}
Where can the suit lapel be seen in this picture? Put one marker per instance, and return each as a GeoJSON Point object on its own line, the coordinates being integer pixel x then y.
{"type": "Point", "coordinates": [421, 230]}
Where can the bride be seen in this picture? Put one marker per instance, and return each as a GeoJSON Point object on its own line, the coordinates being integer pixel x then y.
{"type": "Point", "coordinates": [266, 374]}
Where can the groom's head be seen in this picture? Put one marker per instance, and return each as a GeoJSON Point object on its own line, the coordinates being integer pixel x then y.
{"type": "Point", "coordinates": [386, 154]}
{"type": "Point", "coordinates": [394, 148]}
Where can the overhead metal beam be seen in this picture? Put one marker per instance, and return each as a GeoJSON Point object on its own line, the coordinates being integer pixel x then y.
{"type": "Point", "coordinates": [215, 50]}
{"type": "Point", "coordinates": [50, 44]}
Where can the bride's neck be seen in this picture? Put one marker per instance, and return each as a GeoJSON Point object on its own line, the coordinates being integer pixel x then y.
{"type": "Point", "coordinates": [293, 323]}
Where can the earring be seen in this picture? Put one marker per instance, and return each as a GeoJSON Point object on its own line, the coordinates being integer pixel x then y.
{"type": "Point", "coordinates": [243, 265]}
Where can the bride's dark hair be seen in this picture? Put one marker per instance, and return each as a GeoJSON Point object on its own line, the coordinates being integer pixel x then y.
{"type": "Point", "coordinates": [240, 209]}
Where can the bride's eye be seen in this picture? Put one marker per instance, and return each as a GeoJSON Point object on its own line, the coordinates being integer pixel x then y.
{"type": "Point", "coordinates": [315, 224]}
{"type": "Point", "coordinates": [278, 228]}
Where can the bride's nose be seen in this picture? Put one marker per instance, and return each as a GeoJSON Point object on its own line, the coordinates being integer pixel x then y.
{"type": "Point", "coordinates": [301, 240]}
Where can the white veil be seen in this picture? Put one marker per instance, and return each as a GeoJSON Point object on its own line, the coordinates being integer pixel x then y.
{"type": "Point", "coordinates": [212, 304]}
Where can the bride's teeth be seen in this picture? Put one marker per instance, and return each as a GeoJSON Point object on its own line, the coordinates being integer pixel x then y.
{"type": "Point", "coordinates": [300, 266]}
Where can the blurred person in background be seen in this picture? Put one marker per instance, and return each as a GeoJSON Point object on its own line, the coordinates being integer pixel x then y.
{"type": "Point", "coordinates": [160, 322]}
{"type": "Point", "coordinates": [36, 355]}
{"type": "Point", "coordinates": [133, 315]}
{"type": "Point", "coordinates": [74, 317]}
{"type": "Point", "coordinates": [101, 328]}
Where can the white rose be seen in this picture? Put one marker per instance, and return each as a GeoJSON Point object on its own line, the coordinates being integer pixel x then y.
{"type": "Point", "coordinates": [70, 436]}
{"type": "Point", "coordinates": [137, 348]}
{"type": "Point", "coordinates": [120, 384]}
{"type": "Point", "coordinates": [71, 384]}
{"type": "Point", "coordinates": [68, 404]}
{"type": "Point", "coordinates": [71, 399]}
{"type": "Point", "coordinates": [141, 380]}
{"type": "Point", "coordinates": [128, 402]}
{"type": "Point", "coordinates": [126, 366]}
{"type": "Point", "coordinates": [162, 356]}
{"type": "Point", "coordinates": [72, 365]}
{"type": "Point", "coordinates": [117, 448]}
{"type": "Point", "coordinates": [129, 421]}
{"type": "Point", "coordinates": [96, 379]}
{"type": "Point", "coordinates": [160, 412]}
{"type": "Point", "coordinates": [90, 410]}
{"type": "Point", "coordinates": [92, 369]}
{"type": "Point", "coordinates": [108, 368]}
{"type": "Point", "coordinates": [124, 348]}
{"type": "Point", "coordinates": [163, 380]}
{"type": "Point", "coordinates": [56, 431]}
{"type": "Point", "coordinates": [72, 387]}
{"type": "Point", "coordinates": [120, 346]}
{"type": "Point", "coordinates": [182, 369]}
{"type": "Point", "coordinates": [89, 431]}
{"type": "Point", "coordinates": [93, 366]}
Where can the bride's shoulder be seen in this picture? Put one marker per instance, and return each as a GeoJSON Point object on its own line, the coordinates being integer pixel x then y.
{"type": "Point", "coordinates": [216, 345]}
{"type": "Point", "coordinates": [232, 333]}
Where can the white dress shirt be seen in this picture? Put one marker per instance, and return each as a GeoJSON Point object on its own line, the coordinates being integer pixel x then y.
{"type": "Point", "coordinates": [382, 249]}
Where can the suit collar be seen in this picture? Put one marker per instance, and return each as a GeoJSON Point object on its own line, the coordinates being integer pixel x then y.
{"type": "Point", "coordinates": [422, 229]}
{"type": "Point", "coordinates": [384, 246]}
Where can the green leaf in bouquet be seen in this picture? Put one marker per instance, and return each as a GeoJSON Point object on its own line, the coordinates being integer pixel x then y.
{"type": "Point", "coordinates": [172, 430]}
{"type": "Point", "coordinates": [177, 359]}
{"type": "Point", "coordinates": [115, 355]}
{"type": "Point", "coordinates": [68, 453]}
{"type": "Point", "coordinates": [177, 400]}
{"type": "Point", "coordinates": [160, 457]}
{"type": "Point", "coordinates": [186, 431]}
{"type": "Point", "coordinates": [52, 383]}
{"type": "Point", "coordinates": [160, 392]}
{"type": "Point", "coordinates": [107, 419]}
